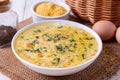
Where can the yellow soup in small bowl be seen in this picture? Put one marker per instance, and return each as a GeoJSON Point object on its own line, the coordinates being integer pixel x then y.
{"type": "Point", "coordinates": [55, 45]}
{"type": "Point", "coordinates": [50, 9]}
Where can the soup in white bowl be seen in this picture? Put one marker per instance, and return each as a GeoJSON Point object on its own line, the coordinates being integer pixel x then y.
{"type": "Point", "coordinates": [56, 47]}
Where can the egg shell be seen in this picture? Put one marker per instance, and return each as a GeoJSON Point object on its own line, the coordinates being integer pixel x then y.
{"type": "Point", "coordinates": [105, 29]}
{"type": "Point", "coordinates": [118, 35]}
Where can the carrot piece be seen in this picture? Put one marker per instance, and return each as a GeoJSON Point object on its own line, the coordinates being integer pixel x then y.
{"type": "Point", "coordinates": [30, 45]}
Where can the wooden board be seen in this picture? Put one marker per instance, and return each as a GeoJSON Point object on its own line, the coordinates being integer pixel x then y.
{"type": "Point", "coordinates": [103, 68]}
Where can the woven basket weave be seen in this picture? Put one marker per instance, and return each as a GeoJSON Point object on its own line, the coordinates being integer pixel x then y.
{"type": "Point", "coordinates": [95, 10]}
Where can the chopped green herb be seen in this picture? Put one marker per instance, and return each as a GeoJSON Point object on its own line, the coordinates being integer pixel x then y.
{"type": "Point", "coordinates": [37, 50]}
{"type": "Point", "coordinates": [41, 56]}
{"type": "Point", "coordinates": [85, 50]}
{"type": "Point", "coordinates": [62, 48]}
{"type": "Point", "coordinates": [82, 44]}
{"type": "Point", "coordinates": [89, 38]}
{"type": "Point", "coordinates": [54, 55]}
{"type": "Point", "coordinates": [76, 55]}
{"type": "Point", "coordinates": [49, 36]}
{"type": "Point", "coordinates": [83, 56]}
{"type": "Point", "coordinates": [59, 36]}
{"type": "Point", "coordinates": [53, 63]}
{"type": "Point", "coordinates": [45, 50]}
{"type": "Point", "coordinates": [66, 48]}
{"type": "Point", "coordinates": [34, 42]}
{"type": "Point", "coordinates": [74, 45]}
{"type": "Point", "coordinates": [80, 39]}
{"type": "Point", "coordinates": [44, 47]}
{"type": "Point", "coordinates": [92, 38]}
{"type": "Point", "coordinates": [56, 37]}
{"type": "Point", "coordinates": [41, 48]}
{"type": "Point", "coordinates": [71, 50]}
{"type": "Point", "coordinates": [64, 37]}
{"type": "Point", "coordinates": [95, 50]}
{"type": "Point", "coordinates": [36, 37]}
{"type": "Point", "coordinates": [27, 39]}
{"type": "Point", "coordinates": [22, 37]}
{"type": "Point", "coordinates": [76, 32]}
{"type": "Point", "coordinates": [56, 61]}
{"type": "Point", "coordinates": [36, 31]}
{"type": "Point", "coordinates": [60, 27]}
{"type": "Point", "coordinates": [71, 60]}
{"type": "Point", "coordinates": [28, 50]}
{"type": "Point", "coordinates": [32, 50]}
{"type": "Point", "coordinates": [71, 40]}
{"type": "Point", "coordinates": [90, 45]}
{"type": "Point", "coordinates": [59, 47]}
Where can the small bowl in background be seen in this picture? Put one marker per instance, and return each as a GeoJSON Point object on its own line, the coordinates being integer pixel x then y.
{"type": "Point", "coordinates": [38, 17]}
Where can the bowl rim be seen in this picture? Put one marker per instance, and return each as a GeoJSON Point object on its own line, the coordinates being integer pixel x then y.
{"type": "Point", "coordinates": [51, 17]}
{"type": "Point", "coordinates": [72, 23]}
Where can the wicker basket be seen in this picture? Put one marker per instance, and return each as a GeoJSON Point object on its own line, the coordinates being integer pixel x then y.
{"type": "Point", "coordinates": [95, 10]}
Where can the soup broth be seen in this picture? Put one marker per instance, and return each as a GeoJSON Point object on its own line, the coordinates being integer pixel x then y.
{"type": "Point", "coordinates": [56, 45]}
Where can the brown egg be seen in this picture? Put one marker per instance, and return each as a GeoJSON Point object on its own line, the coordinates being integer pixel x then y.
{"type": "Point", "coordinates": [105, 29]}
{"type": "Point", "coordinates": [118, 35]}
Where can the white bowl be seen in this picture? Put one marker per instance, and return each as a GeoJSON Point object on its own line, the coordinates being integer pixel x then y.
{"type": "Point", "coordinates": [59, 71]}
{"type": "Point", "coordinates": [37, 17]}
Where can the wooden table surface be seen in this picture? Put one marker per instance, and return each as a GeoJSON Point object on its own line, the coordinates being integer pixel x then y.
{"type": "Point", "coordinates": [23, 9]}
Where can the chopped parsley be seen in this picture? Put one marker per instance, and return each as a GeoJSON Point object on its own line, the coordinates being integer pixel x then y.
{"type": "Point", "coordinates": [62, 49]}
{"type": "Point", "coordinates": [60, 27]}
{"type": "Point", "coordinates": [32, 50]}
{"type": "Point", "coordinates": [74, 45]}
{"type": "Point", "coordinates": [90, 45]}
{"type": "Point", "coordinates": [66, 48]}
{"type": "Point", "coordinates": [91, 38]}
{"type": "Point", "coordinates": [71, 40]}
{"type": "Point", "coordinates": [36, 31]}
{"type": "Point", "coordinates": [22, 37]}
{"type": "Point", "coordinates": [49, 36]}
{"type": "Point", "coordinates": [83, 56]}
{"type": "Point", "coordinates": [56, 61]}
{"type": "Point", "coordinates": [36, 37]}
{"type": "Point", "coordinates": [34, 42]}
{"type": "Point", "coordinates": [59, 47]}
{"type": "Point", "coordinates": [76, 32]}
{"type": "Point", "coordinates": [43, 49]}
{"type": "Point", "coordinates": [56, 37]}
